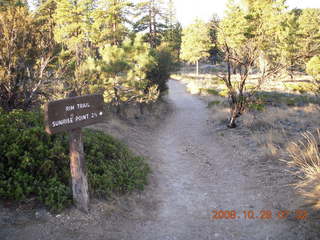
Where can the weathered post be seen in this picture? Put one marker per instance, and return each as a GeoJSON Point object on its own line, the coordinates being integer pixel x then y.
{"type": "Point", "coordinates": [78, 170]}
{"type": "Point", "coordinates": [71, 115]}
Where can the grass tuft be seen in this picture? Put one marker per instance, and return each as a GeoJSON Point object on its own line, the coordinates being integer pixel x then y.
{"type": "Point", "coordinates": [304, 158]}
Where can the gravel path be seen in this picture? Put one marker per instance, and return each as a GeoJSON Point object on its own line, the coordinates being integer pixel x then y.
{"type": "Point", "coordinates": [193, 174]}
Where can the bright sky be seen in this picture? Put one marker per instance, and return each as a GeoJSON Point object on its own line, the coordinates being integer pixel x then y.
{"type": "Point", "coordinates": [188, 10]}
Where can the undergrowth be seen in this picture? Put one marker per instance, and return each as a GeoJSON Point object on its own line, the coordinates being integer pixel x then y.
{"type": "Point", "coordinates": [35, 165]}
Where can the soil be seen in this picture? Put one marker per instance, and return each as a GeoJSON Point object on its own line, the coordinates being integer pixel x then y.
{"type": "Point", "coordinates": [196, 169]}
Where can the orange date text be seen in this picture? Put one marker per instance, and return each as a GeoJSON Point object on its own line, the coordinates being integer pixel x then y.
{"type": "Point", "coordinates": [259, 215]}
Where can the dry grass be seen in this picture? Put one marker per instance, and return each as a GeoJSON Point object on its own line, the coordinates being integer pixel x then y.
{"type": "Point", "coordinates": [288, 112]}
{"type": "Point", "coordinates": [201, 83]}
{"type": "Point", "coordinates": [305, 160]}
{"type": "Point", "coordinates": [276, 117]}
{"type": "Point", "coordinates": [276, 129]}
{"type": "Point", "coordinates": [220, 114]}
{"type": "Point", "coordinates": [271, 142]}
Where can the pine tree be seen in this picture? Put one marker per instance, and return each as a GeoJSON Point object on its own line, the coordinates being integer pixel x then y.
{"type": "Point", "coordinates": [173, 33]}
{"type": "Point", "coordinates": [171, 18]}
{"type": "Point", "coordinates": [309, 33]}
{"type": "Point", "coordinates": [151, 17]}
{"type": "Point", "coordinates": [121, 72]}
{"type": "Point", "coordinates": [25, 53]}
{"type": "Point", "coordinates": [45, 23]}
{"type": "Point", "coordinates": [73, 31]}
{"type": "Point", "coordinates": [110, 17]}
{"type": "Point", "coordinates": [288, 46]}
{"type": "Point", "coordinates": [196, 43]}
{"type": "Point", "coordinates": [213, 30]}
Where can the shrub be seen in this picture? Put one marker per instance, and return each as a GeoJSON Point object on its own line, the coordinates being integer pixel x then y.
{"type": "Point", "coordinates": [301, 87]}
{"type": "Point", "coordinates": [213, 103]}
{"type": "Point", "coordinates": [34, 164]}
{"type": "Point", "coordinates": [161, 71]}
{"type": "Point", "coordinates": [313, 67]}
{"type": "Point", "coordinates": [256, 104]}
{"type": "Point", "coordinates": [305, 160]}
{"type": "Point", "coordinates": [224, 93]}
{"type": "Point", "coordinates": [256, 107]}
{"type": "Point", "coordinates": [213, 92]}
{"type": "Point", "coordinates": [112, 166]}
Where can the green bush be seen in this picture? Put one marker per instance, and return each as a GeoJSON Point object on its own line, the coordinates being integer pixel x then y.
{"type": "Point", "coordinates": [34, 164]}
{"type": "Point", "coordinates": [112, 166]}
{"type": "Point", "coordinates": [161, 71]}
{"type": "Point", "coordinates": [213, 91]}
{"type": "Point", "coordinates": [313, 67]}
{"type": "Point", "coordinates": [301, 87]}
{"type": "Point", "coordinates": [224, 93]}
{"type": "Point", "coordinates": [213, 103]}
{"type": "Point", "coordinates": [256, 107]}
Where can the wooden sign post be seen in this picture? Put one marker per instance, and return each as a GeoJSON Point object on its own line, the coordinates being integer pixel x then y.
{"type": "Point", "coordinates": [71, 115]}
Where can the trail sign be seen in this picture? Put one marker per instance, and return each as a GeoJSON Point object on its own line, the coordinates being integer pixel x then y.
{"type": "Point", "coordinates": [71, 115]}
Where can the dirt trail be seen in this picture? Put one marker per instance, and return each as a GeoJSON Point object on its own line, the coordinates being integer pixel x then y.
{"type": "Point", "coordinates": [193, 174]}
{"type": "Point", "coordinates": [196, 175]}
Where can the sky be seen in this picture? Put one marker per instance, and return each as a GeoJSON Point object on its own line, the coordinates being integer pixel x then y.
{"type": "Point", "coordinates": [188, 10]}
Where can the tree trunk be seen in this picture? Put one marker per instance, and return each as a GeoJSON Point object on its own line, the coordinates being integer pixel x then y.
{"type": "Point", "coordinates": [141, 105]}
{"type": "Point", "coordinates": [236, 110]}
{"type": "Point", "coordinates": [234, 69]}
{"type": "Point", "coordinates": [197, 71]}
{"type": "Point", "coordinates": [232, 120]}
{"type": "Point", "coordinates": [78, 171]}
{"type": "Point", "coordinates": [291, 70]}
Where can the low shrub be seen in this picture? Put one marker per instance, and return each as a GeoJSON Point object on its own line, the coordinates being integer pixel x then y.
{"type": "Point", "coordinates": [213, 103]}
{"type": "Point", "coordinates": [256, 107]}
{"type": "Point", "coordinates": [224, 93]}
{"type": "Point", "coordinates": [301, 87]}
{"type": "Point", "coordinates": [213, 91]}
{"type": "Point", "coordinates": [313, 67]}
{"type": "Point", "coordinates": [35, 164]}
{"type": "Point", "coordinates": [257, 104]}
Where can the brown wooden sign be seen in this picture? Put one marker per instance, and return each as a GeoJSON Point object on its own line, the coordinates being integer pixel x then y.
{"type": "Point", "coordinates": [72, 113]}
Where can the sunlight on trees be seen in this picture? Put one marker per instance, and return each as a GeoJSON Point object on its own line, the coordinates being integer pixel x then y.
{"type": "Point", "coordinates": [195, 43]}
{"type": "Point", "coordinates": [26, 50]}
{"type": "Point", "coordinates": [248, 37]}
{"type": "Point", "coordinates": [53, 49]}
{"type": "Point", "coordinates": [127, 50]}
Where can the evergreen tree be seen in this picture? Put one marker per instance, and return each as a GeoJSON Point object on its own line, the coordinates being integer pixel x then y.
{"type": "Point", "coordinates": [313, 69]}
{"type": "Point", "coordinates": [173, 33]}
{"type": "Point", "coordinates": [288, 45]}
{"type": "Point", "coordinates": [110, 17]}
{"type": "Point", "coordinates": [25, 53]}
{"type": "Point", "coordinates": [172, 37]}
{"type": "Point", "coordinates": [196, 43]}
{"type": "Point", "coordinates": [73, 31]}
{"type": "Point", "coordinates": [171, 14]}
{"type": "Point", "coordinates": [309, 33]}
{"type": "Point", "coordinates": [213, 30]}
{"type": "Point", "coordinates": [151, 17]}
{"type": "Point", "coordinates": [121, 72]}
